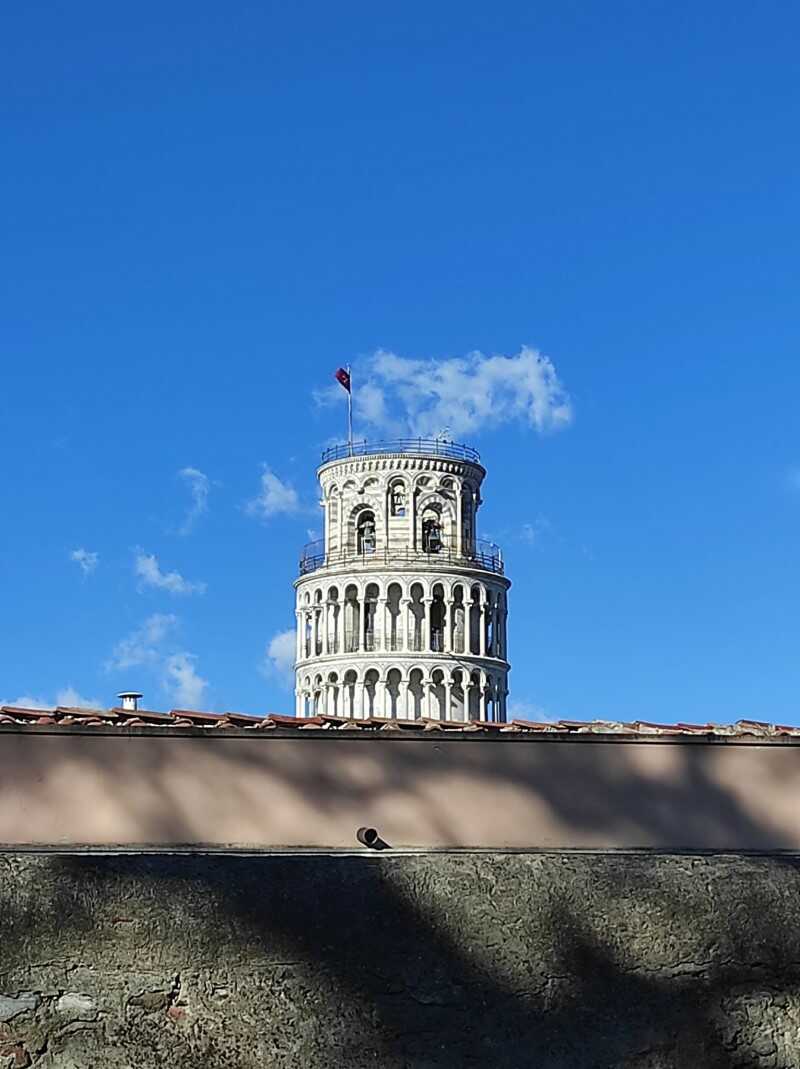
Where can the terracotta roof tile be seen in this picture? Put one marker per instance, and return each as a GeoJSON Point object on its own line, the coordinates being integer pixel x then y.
{"type": "Point", "coordinates": [196, 720]}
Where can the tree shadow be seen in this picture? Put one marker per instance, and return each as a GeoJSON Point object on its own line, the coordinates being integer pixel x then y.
{"type": "Point", "coordinates": [548, 960]}
{"type": "Point", "coordinates": [437, 961]}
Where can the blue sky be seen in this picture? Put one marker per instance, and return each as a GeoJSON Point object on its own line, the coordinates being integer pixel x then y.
{"type": "Point", "coordinates": [207, 208]}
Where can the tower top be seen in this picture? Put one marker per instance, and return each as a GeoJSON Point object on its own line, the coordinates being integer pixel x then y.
{"type": "Point", "coordinates": [429, 447]}
{"type": "Point", "coordinates": [401, 608]}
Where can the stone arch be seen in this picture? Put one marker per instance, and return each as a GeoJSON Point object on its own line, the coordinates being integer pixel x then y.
{"type": "Point", "coordinates": [370, 633]}
{"type": "Point", "coordinates": [459, 629]}
{"type": "Point", "coordinates": [397, 497]}
{"type": "Point", "coordinates": [437, 694]}
{"type": "Point", "coordinates": [458, 694]}
{"type": "Point", "coordinates": [393, 615]}
{"type": "Point", "coordinates": [363, 527]}
{"type": "Point", "coordinates": [351, 606]}
{"type": "Point", "coordinates": [416, 692]}
{"type": "Point", "coordinates": [417, 593]}
{"type": "Point", "coordinates": [393, 691]}
{"type": "Point", "coordinates": [370, 691]}
{"type": "Point", "coordinates": [437, 618]}
{"type": "Point", "coordinates": [349, 683]}
{"type": "Point", "coordinates": [474, 704]}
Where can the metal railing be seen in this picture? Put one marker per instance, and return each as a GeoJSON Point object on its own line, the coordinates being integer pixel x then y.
{"type": "Point", "coordinates": [437, 447]}
{"type": "Point", "coordinates": [482, 554]}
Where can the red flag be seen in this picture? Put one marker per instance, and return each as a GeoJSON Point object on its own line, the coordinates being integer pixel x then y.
{"type": "Point", "coordinates": [342, 376]}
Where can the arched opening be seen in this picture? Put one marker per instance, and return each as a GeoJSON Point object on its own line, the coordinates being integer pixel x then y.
{"type": "Point", "coordinates": [365, 533]}
{"type": "Point", "coordinates": [416, 617]}
{"type": "Point", "coordinates": [438, 705]}
{"type": "Point", "coordinates": [370, 692]}
{"type": "Point", "coordinates": [432, 540]}
{"type": "Point", "coordinates": [415, 692]}
{"type": "Point", "coordinates": [458, 625]}
{"type": "Point", "coordinates": [333, 609]}
{"type": "Point", "coordinates": [394, 636]}
{"type": "Point", "coordinates": [474, 704]}
{"type": "Point", "coordinates": [457, 708]}
{"type": "Point", "coordinates": [491, 702]}
{"type": "Point", "coordinates": [437, 619]}
{"type": "Point", "coordinates": [349, 693]}
{"type": "Point", "coordinates": [332, 704]}
{"type": "Point", "coordinates": [370, 615]}
{"type": "Point", "coordinates": [393, 692]}
{"type": "Point", "coordinates": [351, 619]}
{"type": "Point", "coordinates": [317, 696]}
{"type": "Point", "coordinates": [397, 499]}
{"type": "Point", "coordinates": [491, 637]}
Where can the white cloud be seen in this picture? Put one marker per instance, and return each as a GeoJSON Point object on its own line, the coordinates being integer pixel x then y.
{"type": "Point", "coordinates": [70, 697]}
{"type": "Point", "coordinates": [182, 681]}
{"type": "Point", "coordinates": [525, 710]}
{"type": "Point", "coordinates": [26, 701]}
{"type": "Point", "coordinates": [86, 561]}
{"type": "Point", "coordinates": [274, 497]}
{"type": "Point", "coordinates": [279, 656]}
{"type": "Point", "coordinates": [460, 395]}
{"type": "Point", "coordinates": [67, 697]}
{"type": "Point", "coordinates": [142, 645]}
{"type": "Point", "coordinates": [147, 568]}
{"type": "Point", "coordinates": [533, 532]}
{"type": "Point", "coordinates": [198, 487]}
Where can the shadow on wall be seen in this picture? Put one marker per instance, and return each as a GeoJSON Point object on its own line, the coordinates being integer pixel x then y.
{"type": "Point", "coordinates": [183, 790]}
{"type": "Point", "coordinates": [552, 961]}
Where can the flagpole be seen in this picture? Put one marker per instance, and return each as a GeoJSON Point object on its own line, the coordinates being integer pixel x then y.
{"type": "Point", "coordinates": [350, 412]}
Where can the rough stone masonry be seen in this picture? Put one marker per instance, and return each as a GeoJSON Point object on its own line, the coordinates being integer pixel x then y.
{"type": "Point", "coordinates": [552, 960]}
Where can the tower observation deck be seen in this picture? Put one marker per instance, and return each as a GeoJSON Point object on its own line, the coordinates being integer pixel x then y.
{"type": "Point", "coordinates": [401, 608]}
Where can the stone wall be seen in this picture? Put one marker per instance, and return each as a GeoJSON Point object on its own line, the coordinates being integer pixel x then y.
{"type": "Point", "coordinates": [408, 961]}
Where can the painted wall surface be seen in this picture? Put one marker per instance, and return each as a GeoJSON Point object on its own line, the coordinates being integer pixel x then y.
{"type": "Point", "coordinates": [552, 961]}
{"type": "Point", "coordinates": [262, 791]}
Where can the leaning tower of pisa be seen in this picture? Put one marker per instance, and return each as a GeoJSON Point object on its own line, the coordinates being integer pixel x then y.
{"type": "Point", "coordinates": [401, 609]}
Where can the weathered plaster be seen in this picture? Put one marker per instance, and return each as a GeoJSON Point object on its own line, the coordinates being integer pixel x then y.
{"type": "Point", "coordinates": [553, 961]}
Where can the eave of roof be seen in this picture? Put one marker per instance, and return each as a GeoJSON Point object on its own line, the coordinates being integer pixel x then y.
{"type": "Point", "coordinates": [116, 718]}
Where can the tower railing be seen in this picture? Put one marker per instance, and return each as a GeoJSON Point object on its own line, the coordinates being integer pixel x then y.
{"type": "Point", "coordinates": [438, 447]}
{"type": "Point", "coordinates": [482, 554]}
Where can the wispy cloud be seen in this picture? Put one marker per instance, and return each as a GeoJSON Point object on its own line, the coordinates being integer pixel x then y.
{"type": "Point", "coordinates": [274, 497]}
{"type": "Point", "coordinates": [199, 485]}
{"type": "Point", "coordinates": [143, 646]}
{"type": "Point", "coordinates": [279, 656]}
{"type": "Point", "coordinates": [148, 646]}
{"type": "Point", "coordinates": [149, 572]}
{"type": "Point", "coordinates": [86, 561]}
{"type": "Point", "coordinates": [181, 680]}
{"type": "Point", "coordinates": [535, 531]}
{"type": "Point", "coordinates": [458, 395]}
{"type": "Point", "coordinates": [68, 697]}
{"type": "Point", "coordinates": [520, 709]}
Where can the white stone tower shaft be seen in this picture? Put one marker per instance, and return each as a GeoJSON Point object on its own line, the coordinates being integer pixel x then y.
{"type": "Point", "coordinates": [401, 610]}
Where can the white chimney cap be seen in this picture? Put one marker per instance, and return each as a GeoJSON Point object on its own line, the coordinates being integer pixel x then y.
{"type": "Point", "coordinates": [130, 699]}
